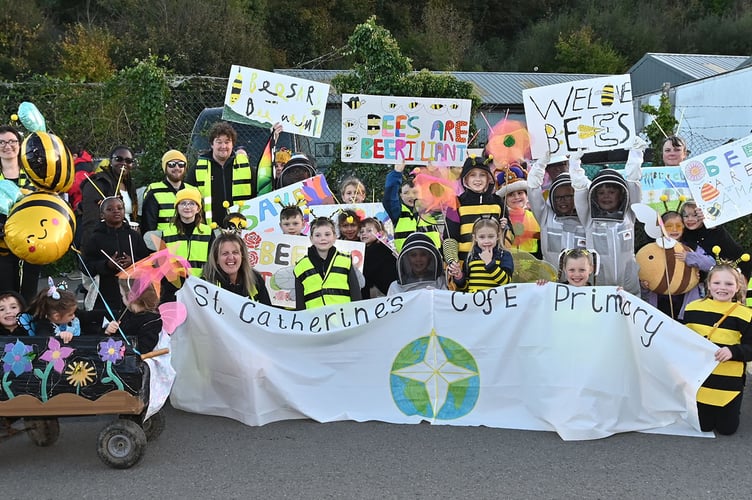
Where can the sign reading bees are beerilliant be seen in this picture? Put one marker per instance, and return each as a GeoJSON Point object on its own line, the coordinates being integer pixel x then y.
{"type": "Point", "coordinates": [262, 99]}
{"type": "Point", "coordinates": [389, 129]}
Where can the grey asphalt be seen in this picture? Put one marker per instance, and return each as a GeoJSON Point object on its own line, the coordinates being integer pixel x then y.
{"type": "Point", "coordinates": [199, 456]}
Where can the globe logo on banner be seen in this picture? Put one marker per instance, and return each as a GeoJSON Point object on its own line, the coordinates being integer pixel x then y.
{"type": "Point", "coordinates": [435, 377]}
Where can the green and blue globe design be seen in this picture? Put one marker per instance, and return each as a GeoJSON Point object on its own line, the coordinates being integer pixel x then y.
{"type": "Point", "coordinates": [435, 377]}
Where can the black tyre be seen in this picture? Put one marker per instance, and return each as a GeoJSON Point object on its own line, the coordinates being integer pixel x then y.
{"type": "Point", "coordinates": [154, 426]}
{"type": "Point", "coordinates": [121, 444]}
{"type": "Point", "coordinates": [42, 431]}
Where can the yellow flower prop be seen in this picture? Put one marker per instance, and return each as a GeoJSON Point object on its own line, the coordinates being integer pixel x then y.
{"type": "Point", "coordinates": [80, 373]}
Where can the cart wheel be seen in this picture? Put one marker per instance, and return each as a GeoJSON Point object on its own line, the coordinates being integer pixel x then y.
{"type": "Point", "coordinates": [121, 444]}
{"type": "Point", "coordinates": [42, 431]}
{"type": "Point", "coordinates": [154, 426]}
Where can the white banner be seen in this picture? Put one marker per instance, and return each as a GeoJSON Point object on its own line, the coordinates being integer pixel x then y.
{"type": "Point", "coordinates": [389, 129]}
{"type": "Point", "coordinates": [261, 98]}
{"type": "Point", "coordinates": [594, 114]}
{"type": "Point", "coordinates": [721, 181]}
{"type": "Point", "coordinates": [585, 363]}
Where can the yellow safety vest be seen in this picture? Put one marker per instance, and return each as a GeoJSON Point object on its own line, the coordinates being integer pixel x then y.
{"type": "Point", "coordinates": [194, 248]}
{"type": "Point", "coordinates": [164, 195]}
{"type": "Point", "coordinates": [332, 288]}
{"type": "Point", "coordinates": [409, 223]}
{"type": "Point", "coordinates": [243, 186]}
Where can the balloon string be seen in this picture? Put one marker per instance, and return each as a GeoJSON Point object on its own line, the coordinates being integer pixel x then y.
{"type": "Point", "coordinates": [99, 292]}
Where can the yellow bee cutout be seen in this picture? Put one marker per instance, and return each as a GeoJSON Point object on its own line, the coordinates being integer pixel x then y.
{"type": "Point", "coordinates": [40, 228]}
{"type": "Point", "coordinates": [354, 102]}
{"type": "Point", "coordinates": [237, 86]}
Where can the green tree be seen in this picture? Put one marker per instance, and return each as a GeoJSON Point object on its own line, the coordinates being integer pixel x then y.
{"type": "Point", "coordinates": [25, 37]}
{"type": "Point", "coordinates": [664, 123]}
{"type": "Point", "coordinates": [84, 54]}
{"type": "Point", "coordinates": [381, 69]}
{"type": "Point", "coordinates": [443, 38]}
{"type": "Point", "coordinates": [582, 52]}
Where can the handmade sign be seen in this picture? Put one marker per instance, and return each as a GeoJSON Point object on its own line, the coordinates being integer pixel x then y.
{"type": "Point", "coordinates": [412, 357]}
{"type": "Point", "coordinates": [274, 255]}
{"type": "Point", "coordinates": [388, 129]}
{"type": "Point", "coordinates": [594, 115]}
{"type": "Point", "coordinates": [261, 98]}
{"type": "Point", "coordinates": [664, 181]}
{"type": "Point", "coordinates": [262, 212]}
{"type": "Point", "coordinates": [721, 181]}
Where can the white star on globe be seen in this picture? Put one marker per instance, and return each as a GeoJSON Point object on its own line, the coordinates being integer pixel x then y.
{"type": "Point", "coordinates": [436, 372]}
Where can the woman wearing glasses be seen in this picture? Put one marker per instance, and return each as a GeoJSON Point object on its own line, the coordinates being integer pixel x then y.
{"type": "Point", "coordinates": [113, 179]}
{"type": "Point", "coordinates": [15, 274]}
{"type": "Point", "coordinates": [187, 236]}
{"type": "Point", "coordinates": [158, 207]}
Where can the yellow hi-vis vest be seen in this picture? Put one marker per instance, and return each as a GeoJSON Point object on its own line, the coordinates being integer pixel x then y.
{"type": "Point", "coordinates": [164, 195]}
{"type": "Point", "coordinates": [332, 288]}
{"type": "Point", "coordinates": [194, 248]}
{"type": "Point", "coordinates": [409, 223]}
{"type": "Point", "coordinates": [243, 184]}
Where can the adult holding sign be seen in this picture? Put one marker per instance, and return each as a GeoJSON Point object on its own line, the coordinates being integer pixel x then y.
{"type": "Point", "coordinates": [224, 174]}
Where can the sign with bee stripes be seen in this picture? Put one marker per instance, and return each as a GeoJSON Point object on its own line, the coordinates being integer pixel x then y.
{"type": "Point", "coordinates": [388, 129]}
{"type": "Point", "coordinates": [721, 181]}
{"type": "Point", "coordinates": [262, 99]}
{"type": "Point", "coordinates": [594, 115]}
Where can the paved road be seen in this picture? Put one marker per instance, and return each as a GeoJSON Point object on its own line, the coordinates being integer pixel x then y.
{"type": "Point", "coordinates": [209, 457]}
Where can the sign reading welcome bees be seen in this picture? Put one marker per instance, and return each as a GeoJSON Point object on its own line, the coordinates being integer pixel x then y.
{"type": "Point", "coordinates": [262, 99]}
{"type": "Point", "coordinates": [388, 129]}
{"type": "Point", "coordinates": [594, 115]}
{"type": "Point", "coordinates": [721, 181]}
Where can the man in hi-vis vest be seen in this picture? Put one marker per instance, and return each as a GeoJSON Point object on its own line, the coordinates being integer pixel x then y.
{"type": "Point", "coordinates": [158, 207]}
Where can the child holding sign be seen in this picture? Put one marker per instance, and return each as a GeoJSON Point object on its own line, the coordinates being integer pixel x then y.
{"type": "Point", "coordinates": [605, 212]}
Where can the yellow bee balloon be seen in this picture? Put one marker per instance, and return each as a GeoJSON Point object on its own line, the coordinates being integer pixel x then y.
{"type": "Point", "coordinates": [40, 228]}
{"type": "Point", "coordinates": [47, 162]}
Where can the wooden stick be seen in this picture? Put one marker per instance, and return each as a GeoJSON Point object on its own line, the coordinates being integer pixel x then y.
{"type": "Point", "coordinates": [154, 354]}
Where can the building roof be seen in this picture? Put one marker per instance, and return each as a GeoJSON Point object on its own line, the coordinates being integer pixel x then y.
{"type": "Point", "coordinates": [493, 88]}
{"type": "Point", "coordinates": [695, 66]}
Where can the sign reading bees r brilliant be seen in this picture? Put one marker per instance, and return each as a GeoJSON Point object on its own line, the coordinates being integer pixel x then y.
{"type": "Point", "coordinates": [388, 129]}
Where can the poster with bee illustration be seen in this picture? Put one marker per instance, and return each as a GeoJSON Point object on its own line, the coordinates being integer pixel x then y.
{"type": "Point", "coordinates": [592, 115]}
{"type": "Point", "coordinates": [721, 181]}
{"type": "Point", "coordinates": [389, 129]}
{"type": "Point", "coordinates": [262, 99]}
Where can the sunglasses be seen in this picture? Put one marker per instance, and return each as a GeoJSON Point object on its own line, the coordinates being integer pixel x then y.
{"type": "Point", "coordinates": [176, 164]}
{"type": "Point", "coordinates": [120, 159]}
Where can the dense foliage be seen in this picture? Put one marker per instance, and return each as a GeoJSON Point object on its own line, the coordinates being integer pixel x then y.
{"type": "Point", "coordinates": [88, 40]}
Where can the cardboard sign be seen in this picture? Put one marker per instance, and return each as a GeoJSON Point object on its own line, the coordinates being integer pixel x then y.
{"type": "Point", "coordinates": [262, 212]}
{"type": "Point", "coordinates": [388, 129]}
{"type": "Point", "coordinates": [594, 115]}
{"type": "Point", "coordinates": [664, 181]}
{"type": "Point", "coordinates": [721, 180]}
{"type": "Point", "coordinates": [274, 255]}
{"type": "Point", "coordinates": [262, 99]}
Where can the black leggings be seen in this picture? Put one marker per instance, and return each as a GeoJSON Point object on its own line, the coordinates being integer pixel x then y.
{"type": "Point", "coordinates": [723, 419]}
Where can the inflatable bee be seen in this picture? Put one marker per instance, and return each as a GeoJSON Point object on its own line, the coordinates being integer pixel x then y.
{"type": "Point", "coordinates": [47, 162]}
{"type": "Point", "coordinates": [40, 228]}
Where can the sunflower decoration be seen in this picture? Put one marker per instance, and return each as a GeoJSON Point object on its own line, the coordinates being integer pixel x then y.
{"type": "Point", "coordinates": [80, 373]}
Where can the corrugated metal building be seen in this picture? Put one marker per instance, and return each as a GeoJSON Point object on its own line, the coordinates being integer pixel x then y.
{"type": "Point", "coordinates": [654, 69]}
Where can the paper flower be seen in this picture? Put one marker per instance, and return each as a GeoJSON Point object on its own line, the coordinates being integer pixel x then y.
{"type": "Point", "coordinates": [80, 373]}
{"type": "Point", "coordinates": [55, 354]}
{"type": "Point", "coordinates": [17, 359]}
{"type": "Point", "coordinates": [111, 350]}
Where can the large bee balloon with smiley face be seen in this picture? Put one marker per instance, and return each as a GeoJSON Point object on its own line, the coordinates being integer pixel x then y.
{"type": "Point", "coordinates": [40, 228]}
